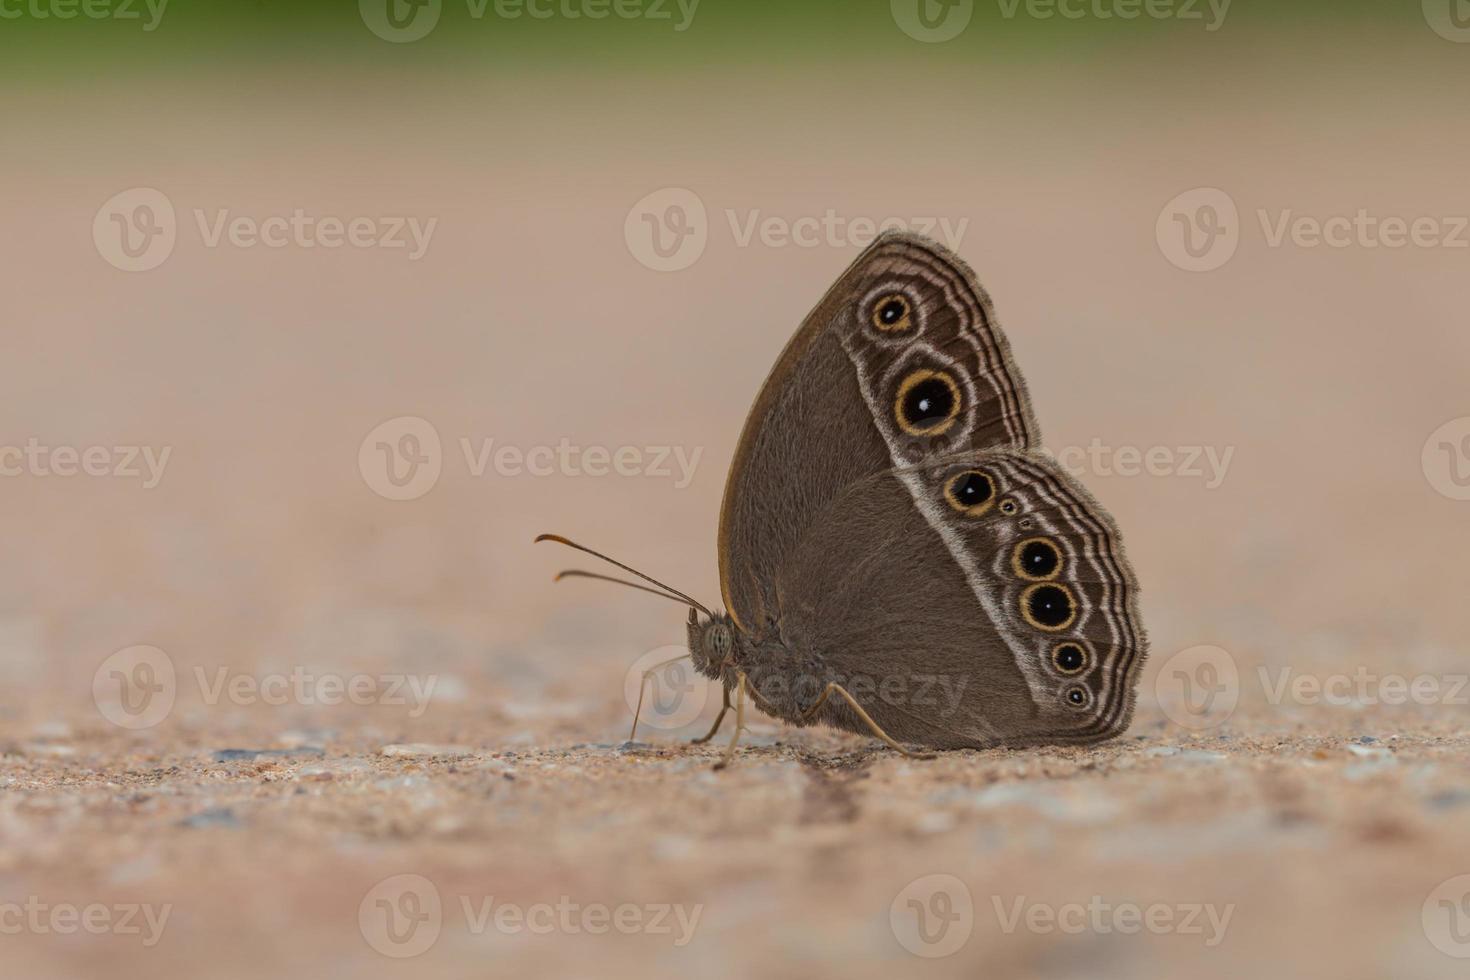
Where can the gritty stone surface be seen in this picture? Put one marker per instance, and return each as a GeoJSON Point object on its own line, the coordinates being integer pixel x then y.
{"type": "Point", "coordinates": [812, 849]}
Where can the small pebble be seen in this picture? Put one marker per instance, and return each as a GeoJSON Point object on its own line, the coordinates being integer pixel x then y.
{"type": "Point", "coordinates": [235, 755]}
{"type": "Point", "coordinates": [213, 817]}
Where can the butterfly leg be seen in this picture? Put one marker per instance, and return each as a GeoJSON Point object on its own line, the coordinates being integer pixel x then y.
{"type": "Point", "coordinates": [643, 687]}
{"type": "Point", "coordinates": [873, 726]}
{"type": "Point", "coordinates": [739, 722]}
{"type": "Point", "coordinates": [718, 719]}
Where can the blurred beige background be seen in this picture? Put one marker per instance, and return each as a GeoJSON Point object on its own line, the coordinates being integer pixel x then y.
{"type": "Point", "coordinates": [1318, 372]}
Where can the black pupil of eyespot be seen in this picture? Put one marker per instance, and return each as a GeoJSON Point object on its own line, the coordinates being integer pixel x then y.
{"type": "Point", "coordinates": [928, 402]}
{"type": "Point", "coordinates": [1050, 606]}
{"type": "Point", "coordinates": [891, 311]}
{"type": "Point", "coordinates": [972, 489]}
{"type": "Point", "coordinates": [1076, 696]}
{"type": "Point", "coordinates": [1069, 658]}
{"type": "Point", "coordinates": [1039, 558]}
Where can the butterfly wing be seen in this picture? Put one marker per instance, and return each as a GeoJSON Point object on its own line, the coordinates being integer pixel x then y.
{"type": "Point", "coordinates": [820, 421]}
{"type": "Point", "coordinates": [959, 616]}
{"type": "Point", "coordinates": [884, 480]}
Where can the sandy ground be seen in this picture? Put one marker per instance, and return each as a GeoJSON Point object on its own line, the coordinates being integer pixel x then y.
{"type": "Point", "coordinates": [1241, 849]}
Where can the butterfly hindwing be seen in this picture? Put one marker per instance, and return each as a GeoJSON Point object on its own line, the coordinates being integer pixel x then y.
{"type": "Point", "coordinates": [945, 603]}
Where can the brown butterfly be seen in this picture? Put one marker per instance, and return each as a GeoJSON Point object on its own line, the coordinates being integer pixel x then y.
{"type": "Point", "coordinates": [897, 555]}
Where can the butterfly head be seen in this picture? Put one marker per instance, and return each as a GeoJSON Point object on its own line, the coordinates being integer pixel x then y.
{"type": "Point", "coordinates": [711, 642]}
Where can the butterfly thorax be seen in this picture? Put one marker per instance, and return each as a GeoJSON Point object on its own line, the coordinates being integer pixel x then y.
{"type": "Point", "coordinates": [783, 681]}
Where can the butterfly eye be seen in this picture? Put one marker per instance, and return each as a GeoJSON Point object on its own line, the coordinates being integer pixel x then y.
{"type": "Point", "coordinates": [1009, 506]}
{"type": "Point", "coordinates": [927, 403]}
{"type": "Point", "coordinates": [719, 640]}
{"type": "Point", "coordinates": [971, 492]}
{"type": "Point", "coordinates": [892, 313]}
{"type": "Point", "coordinates": [1036, 560]}
{"type": "Point", "coordinates": [1078, 696]}
{"type": "Point", "coordinates": [1069, 658]}
{"type": "Point", "coordinates": [1048, 606]}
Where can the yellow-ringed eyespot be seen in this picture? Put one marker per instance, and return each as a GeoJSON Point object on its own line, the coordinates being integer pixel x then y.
{"type": "Point", "coordinates": [892, 313]}
{"type": "Point", "coordinates": [1069, 658]}
{"type": "Point", "coordinates": [971, 493]}
{"type": "Point", "coordinates": [1049, 606]}
{"type": "Point", "coordinates": [1078, 697]}
{"type": "Point", "coordinates": [1036, 560]}
{"type": "Point", "coordinates": [1009, 506]}
{"type": "Point", "coordinates": [927, 404]}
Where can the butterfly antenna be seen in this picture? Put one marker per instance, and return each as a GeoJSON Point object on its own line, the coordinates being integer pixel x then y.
{"type": "Point", "coordinates": [669, 590]}
{"type": "Point", "coordinates": [578, 573]}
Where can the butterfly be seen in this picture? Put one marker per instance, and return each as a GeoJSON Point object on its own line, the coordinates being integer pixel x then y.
{"type": "Point", "coordinates": [898, 556]}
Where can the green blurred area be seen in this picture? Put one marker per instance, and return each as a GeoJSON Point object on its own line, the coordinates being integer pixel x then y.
{"type": "Point", "coordinates": [45, 37]}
